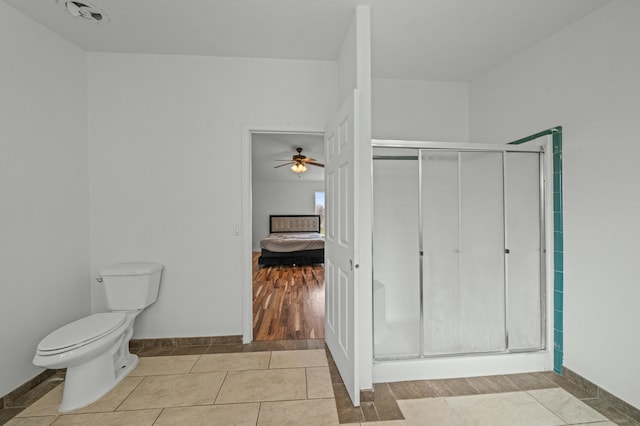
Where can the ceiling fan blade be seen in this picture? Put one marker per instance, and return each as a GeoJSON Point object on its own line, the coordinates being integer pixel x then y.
{"type": "Point", "coordinates": [285, 164]}
{"type": "Point", "coordinates": [315, 164]}
{"type": "Point", "coordinates": [308, 159]}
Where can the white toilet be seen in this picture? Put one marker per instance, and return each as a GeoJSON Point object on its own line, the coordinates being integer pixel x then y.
{"type": "Point", "coordinates": [95, 349]}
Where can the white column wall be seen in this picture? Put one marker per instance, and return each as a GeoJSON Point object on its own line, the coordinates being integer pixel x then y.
{"type": "Point", "coordinates": [585, 78]}
{"type": "Point", "coordinates": [420, 110]}
{"type": "Point", "coordinates": [44, 225]}
{"type": "Point", "coordinates": [165, 147]}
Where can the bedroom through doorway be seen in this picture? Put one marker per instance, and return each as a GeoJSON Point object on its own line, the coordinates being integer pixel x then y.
{"type": "Point", "coordinates": [288, 292]}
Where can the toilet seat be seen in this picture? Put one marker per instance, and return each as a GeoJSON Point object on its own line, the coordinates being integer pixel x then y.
{"type": "Point", "coordinates": [81, 332]}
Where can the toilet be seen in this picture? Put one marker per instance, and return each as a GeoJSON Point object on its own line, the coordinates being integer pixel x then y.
{"type": "Point", "coordinates": [95, 349]}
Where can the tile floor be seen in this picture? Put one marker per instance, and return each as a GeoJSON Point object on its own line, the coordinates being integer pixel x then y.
{"type": "Point", "coordinates": [297, 387]}
{"type": "Point", "coordinates": [265, 388]}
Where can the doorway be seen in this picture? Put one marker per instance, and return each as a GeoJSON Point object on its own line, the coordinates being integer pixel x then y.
{"type": "Point", "coordinates": [287, 298]}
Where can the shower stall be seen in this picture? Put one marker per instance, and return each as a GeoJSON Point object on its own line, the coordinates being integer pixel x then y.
{"type": "Point", "coordinates": [459, 260]}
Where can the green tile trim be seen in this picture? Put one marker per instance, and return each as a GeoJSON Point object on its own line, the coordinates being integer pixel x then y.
{"type": "Point", "coordinates": [558, 242]}
{"type": "Point", "coordinates": [558, 320]}
{"type": "Point", "coordinates": [557, 222]}
{"type": "Point", "coordinates": [537, 135]}
{"type": "Point", "coordinates": [558, 299]}
{"type": "Point", "coordinates": [557, 360]}
{"type": "Point", "coordinates": [557, 182]}
{"type": "Point", "coordinates": [558, 280]}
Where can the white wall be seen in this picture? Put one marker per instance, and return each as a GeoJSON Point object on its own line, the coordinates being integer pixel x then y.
{"type": "Point", "coordinates": [44, 226]}
{"type": "Point", "coordinates": [280, 197]}
{"type": "Point", "coordinates": [420, 110]}
{"type": "Point", "coordinates": [165, 146]}
{"type": "Point", "coordinates": [585, 78]}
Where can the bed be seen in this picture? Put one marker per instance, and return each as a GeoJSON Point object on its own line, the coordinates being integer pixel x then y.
{"type": "Point", "coordinates": [292, 240]}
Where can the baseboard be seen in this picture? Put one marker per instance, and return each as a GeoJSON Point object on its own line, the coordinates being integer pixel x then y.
{"type": "Point", "coordinates": [597, 392]}
{"type": "Point", "coordinates": [8, 399]}
{"type": "Point", "coordinates": [184, 341]}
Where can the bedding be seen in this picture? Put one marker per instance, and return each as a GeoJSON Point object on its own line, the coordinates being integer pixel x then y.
{"type": "Point", "coordinates": [293, 240]}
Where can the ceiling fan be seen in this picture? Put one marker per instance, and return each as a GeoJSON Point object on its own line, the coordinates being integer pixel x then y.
{"type": "Point", "coordinates": [299, 162]}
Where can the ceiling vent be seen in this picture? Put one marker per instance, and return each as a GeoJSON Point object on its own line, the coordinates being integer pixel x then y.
{"type": "Point", "coordinates": [84, 10]}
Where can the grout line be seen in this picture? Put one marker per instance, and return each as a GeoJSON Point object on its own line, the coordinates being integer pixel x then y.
{"type": "Point", "coordinates": [194, 364]}
{"type": "Point", "coordinates": [226, 373]}
{"type": "Point", "coordinates": [161, 412]}
{"type": "Point", "coordinates": [129, 394]}
{"type": "Point", "coordinates": [306, 383]}
{"type": "Point", "coordinates": [259, 411]}
{"type": "Point", "coordinates": [547, 408]}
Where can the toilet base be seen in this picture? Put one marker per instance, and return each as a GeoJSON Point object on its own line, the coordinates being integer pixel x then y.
{"type": "Point", "coordinates": [88, 382]}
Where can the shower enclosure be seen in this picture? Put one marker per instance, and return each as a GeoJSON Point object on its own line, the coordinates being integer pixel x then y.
{"type": "Point", "coordinates": [458, 250]}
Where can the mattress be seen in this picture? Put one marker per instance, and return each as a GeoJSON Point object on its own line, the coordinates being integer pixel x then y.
{"type": "Point", "coordinates": [292, 241]}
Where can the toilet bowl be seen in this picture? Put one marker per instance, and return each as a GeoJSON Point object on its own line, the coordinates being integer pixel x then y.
{"type": "Point", "coordinates": [95, 349]}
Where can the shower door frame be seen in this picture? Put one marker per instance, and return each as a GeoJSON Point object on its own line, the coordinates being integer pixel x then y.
{"type": "Point", "coordinates": [542, 148]}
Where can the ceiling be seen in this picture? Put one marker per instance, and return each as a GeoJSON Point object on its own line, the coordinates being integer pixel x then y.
{"type": "Point", "coordinates": [268, 148]}
{"type": "Point", "coordinates": [438, 40]}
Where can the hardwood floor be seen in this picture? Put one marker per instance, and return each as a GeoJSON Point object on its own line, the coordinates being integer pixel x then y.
{"type": "Point", "coordinates": [288, 302]}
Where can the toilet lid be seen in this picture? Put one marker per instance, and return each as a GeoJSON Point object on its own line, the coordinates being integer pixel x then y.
{"type": "Point", "coordinates": [83, 331]}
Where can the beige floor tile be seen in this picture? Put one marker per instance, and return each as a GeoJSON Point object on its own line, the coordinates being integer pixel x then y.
{"type": "Point", "coordinates": [116, 418]}
{"type": "Point", "coordinates": [263, 385]}
{"type": "Point", "coordinates": [431, 412]}
{"type": "Point", "coordinates": [595, 424]}
{"type": "Point", "coordinates": [174, 391]}
{"type": "Point", "coordinates": [308, 412]}
{"type": "Point", "coordinates": [45, 406]}
{"type": "Point", "coordinates": [232, 414]}
{"type": "Point", "coordinates": [114, 398]}
{"type": "Point", "coordinates": [566, 406]}
{"type": "Point", "coordinates": [319, 383]}
{"type": "Point", "coordinates": [232, 362]}
{"type": "Point", "coordinates": [31, 421]}
{"type": "Point", "coordinates": [159, 365]}
{"type": "Point", "coordinates": [297, 359]}
{"type": "Point", "coordinates": [508, 409]}
{"type": "Point", "coordinates": [48, 404]}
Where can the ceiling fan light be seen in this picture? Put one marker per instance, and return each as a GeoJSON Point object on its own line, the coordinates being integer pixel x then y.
{"type": "Point", "coordinates": [298, 168]}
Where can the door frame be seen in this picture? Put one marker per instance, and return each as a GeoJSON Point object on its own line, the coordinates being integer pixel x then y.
{"type": "Point", "coordinates": [246, 227]}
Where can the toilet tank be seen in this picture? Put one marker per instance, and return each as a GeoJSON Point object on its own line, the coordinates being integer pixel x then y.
{"type": "Point", "coordinates": [130, 286]}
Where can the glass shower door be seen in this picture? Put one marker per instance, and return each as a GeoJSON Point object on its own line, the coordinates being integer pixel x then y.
{"type": "Point", "coordinates": [396, 289]}
{"type": "Point", "coordinates": [463, 252]}
{"type": "Point", "coordinates": [525, 278]}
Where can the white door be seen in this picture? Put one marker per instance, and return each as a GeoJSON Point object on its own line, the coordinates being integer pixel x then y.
{"type": "Point", "coordinates": [341, 248]}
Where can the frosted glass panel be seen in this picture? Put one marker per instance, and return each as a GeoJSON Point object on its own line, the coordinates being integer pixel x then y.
{"type": "Point", "coordinates": [463, 245]}
{"type": "Point", "coordinates": [396, 260]}
{"type": "Point", "coordinates": [482, 251]}
{"type": "Point", "coordinates": [523, 224]}
{"type": "Point", "coordinates": [441, 260]}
